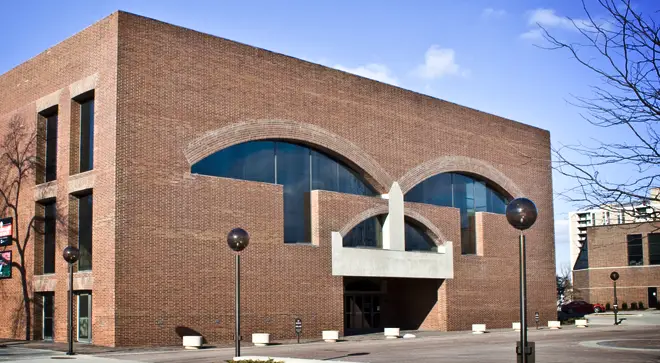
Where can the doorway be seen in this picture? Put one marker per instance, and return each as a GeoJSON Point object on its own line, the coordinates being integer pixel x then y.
{"type": "Point", "coordinates": [47, 316]}
{"type": "Point", "coordinates": [362, 307]}
{"type": "Point", "coordinates": [653, 297]}
{"type": "Point", "coordinates": [85, 317]}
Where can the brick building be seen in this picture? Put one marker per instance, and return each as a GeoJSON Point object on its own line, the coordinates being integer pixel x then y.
{"type": "Point", "coordinates": [632, 250]}
{"type": "Point", "coordinates": [367, 205]}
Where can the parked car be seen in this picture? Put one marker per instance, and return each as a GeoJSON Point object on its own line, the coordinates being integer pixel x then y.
{"type": "Point", "coordinates": [599, 308]}
{"type": "Point", "coordinates": [577, 308]}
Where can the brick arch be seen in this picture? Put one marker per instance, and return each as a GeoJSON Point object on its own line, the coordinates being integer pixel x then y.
{"type": "Point", "coordinates": [433, 231]}
{"type": "Point", "coordinates": [313, 135]}
{"type": "Point", "coordinates": [371, 212]}
{"type": "Point", "coordinates": [431, 228]}
{"type": "Point", "coordinates": [447, 164]}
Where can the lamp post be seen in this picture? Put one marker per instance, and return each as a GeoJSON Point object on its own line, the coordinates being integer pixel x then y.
{"type": "Point", "coordinates": [71, 255]}
{"type": "Point", "coordinates": [521, 213]}
{"type": "Point", "coordinates": [615, 276]}
{"type": "Point", "coordinates": [238, 239]}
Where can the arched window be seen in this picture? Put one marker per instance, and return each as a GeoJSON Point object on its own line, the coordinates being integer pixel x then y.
{"type": "Point", "coordinates": [417, 238]}
{"type": "Point", "coordinates": [467, 193]}
{"type": "Point", "coordinates": [298, 168]}
{"type": "Point", "coordinates": [368, 233]}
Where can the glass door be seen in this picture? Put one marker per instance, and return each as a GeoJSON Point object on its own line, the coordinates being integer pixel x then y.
{"type": "Point", "coordinates": [84, 317]}
{"type": "Point", "coordinates": [47, 323]}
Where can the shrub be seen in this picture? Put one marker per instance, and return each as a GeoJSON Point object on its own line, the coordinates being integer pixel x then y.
{"type": "Point", "coordinates": [633, 306]}
{"type": "Point", "coordinates": [607, 307]}
{"type": "Point", "coordinates": [624, 306]}
{"type": "Point", "coordinates": [640, 305]}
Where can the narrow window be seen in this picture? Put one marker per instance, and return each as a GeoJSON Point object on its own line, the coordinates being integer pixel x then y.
{"type": "Point", "coordinates": [654, 248]}
{"type": "Point", "coordinates": [635, 251]}
{"type": "Point", "coordinates": [50, 217]}
{"type": "Point", "coordinates": [87, 135]}
{"type": "Point", "coordinates": [51, 147]}
{"type": "Point", "coordinates": [85, 232]}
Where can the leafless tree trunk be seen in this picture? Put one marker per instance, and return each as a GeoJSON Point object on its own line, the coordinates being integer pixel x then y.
{"type": "Point", "coordinates": [623, 49]}
{"type": "Point", "coordinates": [17, 165]}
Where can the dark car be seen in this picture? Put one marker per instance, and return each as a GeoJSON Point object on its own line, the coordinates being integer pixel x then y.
{"type": "Point", "coordinates": [577, 308]}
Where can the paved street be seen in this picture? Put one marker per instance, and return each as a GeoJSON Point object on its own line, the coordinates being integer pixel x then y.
{"type": "Point", "coordinates": [596, 344]}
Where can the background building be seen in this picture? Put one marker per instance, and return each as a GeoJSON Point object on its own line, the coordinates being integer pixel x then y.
{"type": "Point", "coordinates": [367, 205]}
{"type": "Point", "coordinates": [625, 239]}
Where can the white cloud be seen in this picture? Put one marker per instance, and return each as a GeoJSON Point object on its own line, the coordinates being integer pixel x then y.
{"type": "Point", "coordinates": [548, 19]}
{"type": "Point", "coordinates": [492, 13]}
{"type": "Point", "coordinates": [439, 62]}
{"type": "Point", "coordinates": [375, 71]}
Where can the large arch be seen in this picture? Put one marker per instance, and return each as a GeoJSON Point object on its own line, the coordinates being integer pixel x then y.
{"type": "Point", "coordinates": [253, 130]}
{"type": "Point", "coordinates": [433, 231]}
{"type": "Point", "coordinates": [446, 164]}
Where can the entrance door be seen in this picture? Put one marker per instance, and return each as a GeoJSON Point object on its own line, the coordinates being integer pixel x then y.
{"type": "Point", "coordinates": [84, 317]}
{"type": "Point", "coordinates": [362, 312]}
{"type": "Point", "coordinates": [47, 313]}
{"type": "Point", "coordinates": [653, 297]}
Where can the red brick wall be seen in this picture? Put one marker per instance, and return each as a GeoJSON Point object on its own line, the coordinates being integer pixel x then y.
{"type": "Point", "coordinates": [160, 256]}
{"type": "Point", "coordinates": [90, 53]}
{"type": "Point", "coordinates": [608, 252]}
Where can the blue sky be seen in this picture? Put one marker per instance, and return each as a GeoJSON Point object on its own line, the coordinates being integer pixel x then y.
{"type": "Point", "coordinates": [480, 54]}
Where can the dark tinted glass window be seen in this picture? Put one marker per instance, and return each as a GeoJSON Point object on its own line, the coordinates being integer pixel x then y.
{"type": "Point", "coordinates": [582, 261]}
{"type": "Point", "coordinates": [464, 192]}
{"type": "Point", "coordinates": [85, 232]}
{"type": "Point", "coordinates": [635, 250]}
{"type": "Point", "coordinates": [253, 161]}
{"type": "Point", "coordinates": [298, 168]}
{"type": "Point", "coordinates": [293, 172]}
{"type": "Point", "coordinates": [50, 226]}
{"type": "Point", "coordinates": [51, 147]}
{"type": "Point", "coordinates": [654, 248]}
{"type": "Point", "coordinates": [366, 234]}
{"type": "Point", "coordinates": [87, 135]}
{"type": "Point", "coordinates": [417, 239]}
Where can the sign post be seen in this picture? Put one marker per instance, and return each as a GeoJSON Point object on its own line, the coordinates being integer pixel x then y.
{"type": "Point", "coordinates": [536, 319]}
{"type": "Point", "coordinates": [6, 231]}
{"type": "Point", "coordinates": [298, 327]}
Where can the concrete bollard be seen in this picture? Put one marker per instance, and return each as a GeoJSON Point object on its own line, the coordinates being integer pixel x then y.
{"type": "Point", "coordinates": [260, 339]}
{"type": "Point", "coordinates": [478, 328]}
{"type": "Point", "coordinates": [515, 326]}
{"type": "Point", "coordinates": [392, 333]}
{"type": "Point", "coordinates": [192, 342]}
{"type": "Point", "coordinates": [581, 323]}
{"type": "Point", "coordinates": [554, 325]}
{"type": "Point", "coordinates": [330, 336]}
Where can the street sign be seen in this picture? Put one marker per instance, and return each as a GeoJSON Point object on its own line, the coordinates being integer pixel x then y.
{"type": "Point", "coordinates": [298, 327]}
{"type": "Point", "coordinates": [536, 319]}
{"type": "Point", "coordinates": [6, 231]}
{"type": "Point", "coordinates": [5, 264]}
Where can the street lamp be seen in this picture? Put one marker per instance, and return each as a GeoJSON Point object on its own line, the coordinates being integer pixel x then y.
{"type": "Point", "coordinates": [71, 255]}
{"type": "Point", "coordinates": [521, 214]}
{"type": "Point", "coordinates": [615, 276]}
{"type": "Point", "coordinates": [238, 239]}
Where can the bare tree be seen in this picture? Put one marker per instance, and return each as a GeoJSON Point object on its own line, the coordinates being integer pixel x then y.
{"type": "Point", "coordinates": [621, 45]}
{"type": "Point", "coordinates": [17, 164]}
{"type": "Point", "coordinates": [564, 284]}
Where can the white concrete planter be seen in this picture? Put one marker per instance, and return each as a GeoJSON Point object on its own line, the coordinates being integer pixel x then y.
{"type": "Point", "coordinates": [260, 339]}
{"type": "Point", "coordinates": [478, 328]}
{"type": "Point", "coordinates": [192, 342]}
{"type": "Point", "coordinates": [409, 336]}
{"type": "Point", "coordinates": [516, 326]}
{"type": "Point", "coordinates": [554, 325]}
{"type": "Point", "coordinates": [330, 336]}
{"type": "Point", "coordinates": [392, 333]}
{"type": "Point", "coordinates": [581, 323]}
